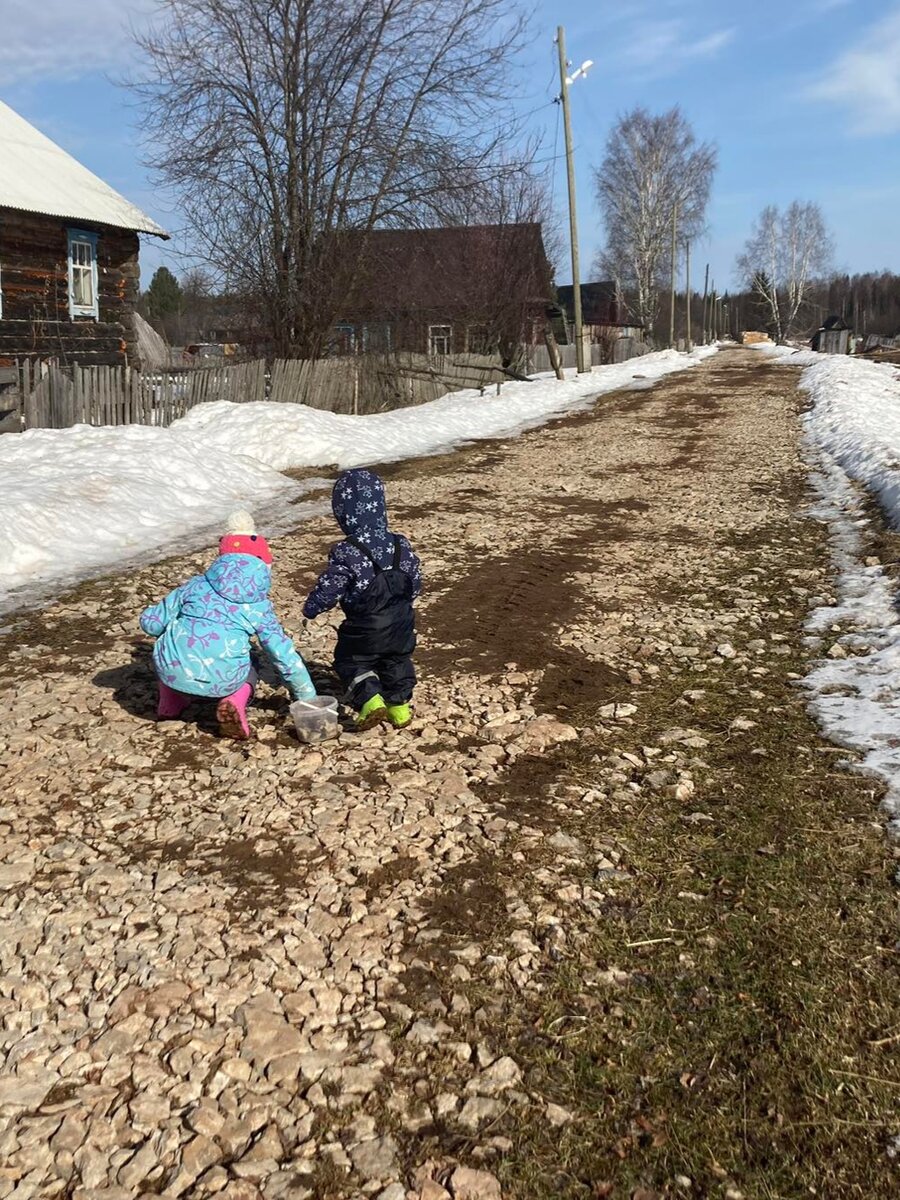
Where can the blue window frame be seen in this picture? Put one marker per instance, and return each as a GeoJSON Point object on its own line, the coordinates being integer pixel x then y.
{"type": "Point", "coordinates": [343, 339]}
{"type": "Point", "coordinates": [83, 280]}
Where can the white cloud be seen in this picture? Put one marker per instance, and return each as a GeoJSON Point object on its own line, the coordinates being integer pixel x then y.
{"type": "Point", "coordinates": [68, 40]}
{"type": "Point", "coordinates": [665, 46]}
{"type": "Point", "coordinates": [865, 80]}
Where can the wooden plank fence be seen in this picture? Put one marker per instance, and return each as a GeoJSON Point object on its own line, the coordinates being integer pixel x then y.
{"type": "Point", "coordinates": [54, 397]}
{"type": "Point", "coordinates": [50, 397]}
{"type": "Point", "coordinates": [377, 383]}
{"type": "Point", "coordinates": [618, 350]}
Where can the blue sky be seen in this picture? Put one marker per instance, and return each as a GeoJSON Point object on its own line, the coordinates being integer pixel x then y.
{"type": "Point", "coordinates": [802, 98]}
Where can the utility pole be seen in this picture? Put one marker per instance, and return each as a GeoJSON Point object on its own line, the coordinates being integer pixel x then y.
{"type": "Point", "coordinates": [674, 256]}
{"type": "Point", "coordinates": [689, 343]}
{"type": "Point", "coordinates": [573, 223]}
{"type": "Point", "coordinates": [705, 294]}
{"type": "Point", "coordinates": [712, 313]}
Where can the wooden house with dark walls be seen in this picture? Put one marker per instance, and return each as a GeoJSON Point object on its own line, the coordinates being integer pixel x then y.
{"type": "Point", "coordinates": [476, 289]}
{"type": "Point", "coordinates": [69, 248]}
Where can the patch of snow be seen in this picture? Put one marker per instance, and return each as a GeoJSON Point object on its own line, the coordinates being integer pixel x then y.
{"type": "Point", "coordinates": [287, 436]}
{"type": "Point", "coordinates": [791, 356]}
{"type": "Point", "coordinates": [78, 501]}
{"type": "Point", "coordinates": [854, 433]}
{"type": "Point", "coordinates": [856, 419]}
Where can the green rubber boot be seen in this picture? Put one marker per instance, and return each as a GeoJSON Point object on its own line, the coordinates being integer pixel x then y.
{"type": "Point", "coordinates": [399, 715]}
{"type": "Point", "coordinates": [373, 712]}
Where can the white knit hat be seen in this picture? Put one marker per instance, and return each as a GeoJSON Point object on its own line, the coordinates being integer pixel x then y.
{"type": "Point", "coordinates": [239, 522]}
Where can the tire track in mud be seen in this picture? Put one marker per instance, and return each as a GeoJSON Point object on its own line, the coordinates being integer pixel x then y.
{"type": "Point", "coordinates": [512, 610]}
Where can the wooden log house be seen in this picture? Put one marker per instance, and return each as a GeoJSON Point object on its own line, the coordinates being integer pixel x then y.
{"type": "Point", "coordinates": [69, 248]}
{"type": "Point", "coordinates": [451, 290]}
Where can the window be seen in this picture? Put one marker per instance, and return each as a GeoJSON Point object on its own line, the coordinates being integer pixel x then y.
{"type": "Point", "coordinates": [342, 341]}
{"type": "Point", "coordinates": [376, 339]}
{"type": "Point", "coordinates": [439, 339]}
{"type": "Point", "coordinates": [83, 300]}
{"type": "Point", "coordinates": [478, 339]}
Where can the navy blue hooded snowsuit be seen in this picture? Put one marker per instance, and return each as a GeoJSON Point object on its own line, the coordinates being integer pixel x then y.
{"type": "Point", "coordinates": [375, 576]}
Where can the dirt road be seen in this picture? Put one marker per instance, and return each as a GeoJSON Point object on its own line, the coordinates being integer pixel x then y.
{"type": "Point", "coordinates": [608, 920]}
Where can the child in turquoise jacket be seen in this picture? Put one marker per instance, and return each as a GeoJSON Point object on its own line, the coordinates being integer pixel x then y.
{"type": "Point", "coordinates": [203, 631]}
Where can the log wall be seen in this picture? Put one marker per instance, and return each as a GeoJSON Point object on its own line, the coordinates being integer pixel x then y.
{"type": "Point", "coordinates": [34, 277]}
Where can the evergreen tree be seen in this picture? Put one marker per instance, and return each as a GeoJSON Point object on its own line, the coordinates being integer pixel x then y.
{"type": "Point", "coordinates": [164, 296]}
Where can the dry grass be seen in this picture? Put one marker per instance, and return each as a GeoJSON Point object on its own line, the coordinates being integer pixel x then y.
{"type": "Point", "coordinates": [754, 1044]}
{"type": "Point", "coordinates": [748, 1045]}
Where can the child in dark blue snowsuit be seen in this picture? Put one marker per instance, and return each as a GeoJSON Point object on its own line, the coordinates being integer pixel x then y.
{"type": "Point", "coordinates": [375, 576]}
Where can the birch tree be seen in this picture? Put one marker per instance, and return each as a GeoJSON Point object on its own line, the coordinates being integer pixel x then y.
{"type": "Point", "coordinates": [653, 164]}
{"type": "Point", "coordinates": [784, 256]}
{"type": "Point", "coordinates": [278, 124]}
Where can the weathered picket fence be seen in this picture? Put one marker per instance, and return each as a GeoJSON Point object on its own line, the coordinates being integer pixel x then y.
{"type": "Point", "coordinates": [376, 383]}
{"type": "Point", "coordinates": [52, 397]}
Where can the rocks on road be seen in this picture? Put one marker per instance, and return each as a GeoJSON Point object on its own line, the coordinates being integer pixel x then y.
{"type": "Point", "coordinates": [213, 957]}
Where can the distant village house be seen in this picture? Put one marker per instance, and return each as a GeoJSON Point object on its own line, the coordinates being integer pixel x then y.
{"type": "Point", "coordinates": [476, 289]}
{"type": "Point", "coordinates": [69, 248]}
{"type": "Point", "coordinates": [602, 313]}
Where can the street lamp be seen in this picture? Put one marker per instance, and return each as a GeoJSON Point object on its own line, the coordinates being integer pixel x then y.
{"type": "Point", "coordinates": [581, 72]}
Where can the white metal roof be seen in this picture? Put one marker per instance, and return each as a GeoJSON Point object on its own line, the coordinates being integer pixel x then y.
{"type": "Point", "coordinates": [38, 176]}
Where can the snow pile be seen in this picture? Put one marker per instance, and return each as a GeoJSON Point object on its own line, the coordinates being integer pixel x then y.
{"type": "Point", "coordinates": [854, 428]}
{"type": "Point", "coordinates": [292, 435]}
{"type": "Point", "coordinates": [856, 419]}
{"type": "Point", "coordinates": [78, 500]}
{"type": "Point", "coordinates": [75, 500]}
{"type": "Point", "coordinates": [789, 355]}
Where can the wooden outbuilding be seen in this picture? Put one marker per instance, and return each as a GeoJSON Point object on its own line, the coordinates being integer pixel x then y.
{"type": "Point", "coordinates": [69, 250]}
{"type": "Point", "coordinates": [833, 337]}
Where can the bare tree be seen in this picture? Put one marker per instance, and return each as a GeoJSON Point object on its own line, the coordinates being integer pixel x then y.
{"type": "Point", "coordinates": [783, 258]}
{"type": "Point", "coordinates": [281, 123]}
{"type": "Point", "coordinates": [652, 164]}
{"type": "Point", "coordinates": [507, 280]}
{"type": "Point", "coordinates": [760, 265]}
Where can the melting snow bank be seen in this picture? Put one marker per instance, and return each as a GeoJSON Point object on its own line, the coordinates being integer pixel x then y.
{"type": "Point", "coordinates": [854, 432]}
{"type": "Point", "coordinates": [78, 501]}
{"type": "Point", "coordinates": [291, 435]}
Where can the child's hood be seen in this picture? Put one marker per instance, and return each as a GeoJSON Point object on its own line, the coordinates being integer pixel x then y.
{"type": "Point", "coordinates": [359, 505]}
{"type": "Point", "coordinates": [240, 578]}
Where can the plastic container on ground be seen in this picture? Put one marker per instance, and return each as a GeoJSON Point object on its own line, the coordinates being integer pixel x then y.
{"type": "Point", "coordinates": [315, 720]}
